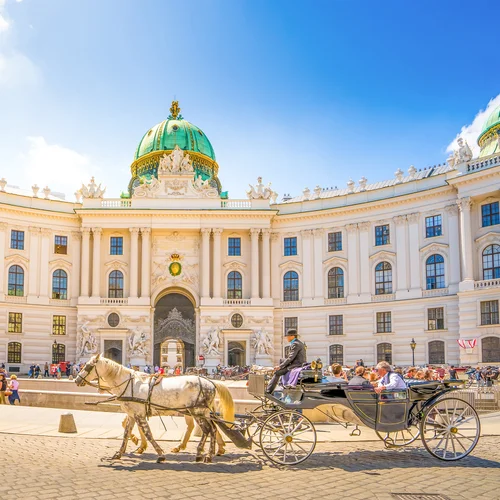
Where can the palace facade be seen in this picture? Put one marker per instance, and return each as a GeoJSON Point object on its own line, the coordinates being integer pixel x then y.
{"type": "Point", "coordinates": [174, 270]}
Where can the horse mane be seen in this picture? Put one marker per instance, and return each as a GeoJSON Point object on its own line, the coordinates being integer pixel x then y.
{"type": "Point", "coordinates": [113, 368]}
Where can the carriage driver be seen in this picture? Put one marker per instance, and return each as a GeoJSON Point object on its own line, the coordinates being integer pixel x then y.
{"type": "Point", "coordinates": [296, 357]}
{"type": "Point", "coordinates": [389, 380]}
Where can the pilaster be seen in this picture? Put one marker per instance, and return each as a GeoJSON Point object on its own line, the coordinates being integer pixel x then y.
{"type": "Point", "coordinates": [364, 261]}
{"type": "Point", "coordinates": [205, 262]}
{"type": "Point", "coordinates": [217, 267]}
{"type": "Point", "coordinates": [34, 259]}
{"type": "Point", "coordinates": [134, 262]}
{"type": "Point", "coordinates": [454, 242]}
{"type": "Point", "coordinates": [464, 205]}
{"type": "Point", "coordinates": [3, 230]}
{"type": "Point", "coordinates": [96, 263]}
{"type": "Point", "coordinates": [44, 262]}
{"type": "Point", "coordinates": [254, 240]}
{"type": "Point", "coordinates": [413, 238]}
{"type": "Point", "coordinates": [319, 293]}
{"type": "Point", "coordinates": [401, 263]}
{"type": "Point", "coordinates": [85, 265]}
{"type": "Point", "coordinates": [146, 263]}
{"type": "Point", "coordinates": [75, 245]}
{"type": "Point", "coordinates": [352, 263]}
{"type": "Point", "coordinates": [266, 264]}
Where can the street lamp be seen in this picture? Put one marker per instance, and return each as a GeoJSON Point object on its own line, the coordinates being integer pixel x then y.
{"type": "Point", "coordinates": [413, 344]}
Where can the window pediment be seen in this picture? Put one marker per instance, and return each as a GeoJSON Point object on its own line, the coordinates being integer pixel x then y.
{"type": "Point", "coordinates": [60, 263]}
{"type": "Point", "coordinates": [16, 258]}
{"type": "Point", "coordinates": [116, 264]}
{"type": "Point", "coordinates": [383, 255]}
{"type": "Point", "coordinates": [334, 260]}
{"type": "Point", "coordinates": [489, 237]}
{"type": "Point", "coordinates": [290, 264]}
{"type": "Point", "coordinates": [434, 247]}
{"type": "Point", "coordinates": [234, 264]}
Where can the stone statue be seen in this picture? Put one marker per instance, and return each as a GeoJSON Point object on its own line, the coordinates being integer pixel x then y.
{"type": "Point", "coordinates": [177, 162]}
{"type": "Point", "coordinates": [262, 342]}
{"type": "Point", "coordinates": [88, 342]}
{"type": "Point", "coordinates": [147, 189]}
{"type": "Point", "coordinates": [211, 341]}
{"type": "Point", "coordinates": [259, 191]}
{"type": "Point", "coordinates": [138, 342]}
{"type": "Point", "coordinates": [461, 155]}
{"type": "Point", "coordinates": [92, 190]}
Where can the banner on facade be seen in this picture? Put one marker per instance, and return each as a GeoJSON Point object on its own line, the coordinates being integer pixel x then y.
{"type": "Point", "coordinates": [467, 344]}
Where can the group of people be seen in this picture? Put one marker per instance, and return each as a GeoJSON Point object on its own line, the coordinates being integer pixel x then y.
{"type": "Point", "coordinates": [9, 388]}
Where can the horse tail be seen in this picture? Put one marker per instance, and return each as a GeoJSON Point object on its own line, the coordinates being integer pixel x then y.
{"type": "Point", "coordinates": [225, 401]}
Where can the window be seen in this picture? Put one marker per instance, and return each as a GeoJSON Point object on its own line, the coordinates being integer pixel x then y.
{"type": "Point", "coordinates": [435, 318]}
{"type": "Point", "coordinates": [433, 226]}
{"type": "Point", "coordinates": [236, 320]}
{"type": "Point", "coordinates": [436, 352]}
{"type": "Point", "coordinates": [15, 323]}
{"type": "Point", "coordinates": [290, 286]}
{"type": "Point", "coordinates": [17, 240]}
{"type": "Point", "coordinates": [291, 324]}
{"type": "Point", "coordinates": [61, 244]}
{"type": "Point", "coordinates": [14, 352]}
{"type": "Point", "coordinates": [335, 241]}
{"type": "Point", "coordinates": [434, 272]}
{"type": "Point", "coordinates": [491, 349]}
{"type": "Point", "coordinates": [490, 214]}
{"type": "Point", "coordinates": [234, 246]}
{"type": "Point", "coordinates": [489, 312]}
{"type": "Point", "coordinates": [16, 281]}
{"type": "Point", "coordinates": [115, 285]}
{"type": "Point", "coordinates": [234, 285]}
{"type": "Point", "coordinates": [60, 285]}
{"type": "Point", "coordinates": [291, 246]}
{"type": "Point", "coordinates": [384, 322]}
{"type": "Point", "coordinates": [336, 324]}
{"type": "Point", "coordinates": [491, 262]}
{"type": "Point", "coordinates": [116, 245]}
{"type": "Point", "coordinates": [336, 354]}
{"type": "Point", "coordinates": [113, 320]}
{"type": "Point", "coordinates": [58, 353]}
{"type": "Point", "coordinates": [59, 325]}
{"type": "Point", "coordinates": [382, 235]}
{"type": "Point", "coordinates": [335, 283]}
{"type": "Point", "coordinates": [383, 278]}
{"type": "Point", "coordinates": [384, 352]}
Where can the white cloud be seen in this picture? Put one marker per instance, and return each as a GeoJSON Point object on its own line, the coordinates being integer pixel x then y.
{"type": "Point", "coordinates": [471, 132]}
{"type": "Point", "coordinates": [4, 24]}
{"type": "Point", "coordinates": [60, 168]}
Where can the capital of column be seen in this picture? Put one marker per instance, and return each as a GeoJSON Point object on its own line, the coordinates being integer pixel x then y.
{"type": "Point", "coordinates": [451, 209]}
{"type": "Point", "coordinates": [306, 234]}
{"type": "Point", "coordinates": [413, 218]}
{"type": "Point", "coordinates": [134, 230]}
{"type": "Point", "coordinates": [254, 232]}
{"type": "Point", "coordinates": [3, 226]}
{"type": "Point", "coordinates": [464, 203]}
{"type": "Point", "coordinates": [266, 232]}
{"type": "Point", "coordinates": [85, 231]}
{"type": "Point", "coordinates": [34, 229]}
{"type": "Point", "coordinates": [217, 231]}
{"type": "Point", "coordinates": [76, 235]}
{"type": "Point", "coordinates": [146, 230]}
{"type": "Point", "coordinates": [318, 232]}
{"type": "Point", "coordinates": [275, 236]}
{"type": "Point", "coordinates": [97, 231]}
{"type": "Point", "coordinates": [351, 228]}
{"type": "Point", "coordinates": [46, 231]}
{"type": "Point", "coordinates": [364, 226]}
{"type": "Point", "coordinates": [399, 220]}
{"type": "Point", "coordinates": [205, 231]}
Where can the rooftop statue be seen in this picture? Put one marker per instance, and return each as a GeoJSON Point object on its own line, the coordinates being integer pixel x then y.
{"type": "Point", "coordinates": [259, 192]}
{"type": "Point", "coordinates": [177, 162]}
{"type": "Point", "coordinates": [148, 188]}
{"type": "Point", "coordinates": [461, 155]}
{"type": "Point", "coordinates": [92, 190]}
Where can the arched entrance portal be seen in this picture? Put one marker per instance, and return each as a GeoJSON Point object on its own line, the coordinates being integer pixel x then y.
{"type": "Point", "coordinates": [174, 331]}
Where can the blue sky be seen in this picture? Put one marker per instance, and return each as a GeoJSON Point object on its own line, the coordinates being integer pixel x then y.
{"type": "Point", "coordinates": [302, 93]}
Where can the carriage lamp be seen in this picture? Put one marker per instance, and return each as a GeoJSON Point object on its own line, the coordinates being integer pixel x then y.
{"type": "Point", "coordinates": [413, 344]}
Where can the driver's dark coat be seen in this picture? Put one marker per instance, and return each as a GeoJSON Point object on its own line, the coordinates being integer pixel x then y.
{"type": "Point", "coordinates": [296, 357]}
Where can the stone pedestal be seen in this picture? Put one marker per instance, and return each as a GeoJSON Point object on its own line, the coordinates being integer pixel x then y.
{"type": "Point", "coordinates": [264, 360]}
{"type": "Point", "coordinates": [211, 362]}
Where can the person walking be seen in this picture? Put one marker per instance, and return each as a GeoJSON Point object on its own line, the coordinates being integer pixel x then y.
{"type": "Point", "coordinates": [46, 370]}
{"type": "Point", "coordinates": [37, 371]}
{"type": "Point", "coordinates": [14, 387]}
{"type": "Point", "coordinates": [3, 388]}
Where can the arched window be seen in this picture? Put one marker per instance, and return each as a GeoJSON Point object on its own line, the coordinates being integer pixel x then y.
{"type": "Point", "coordinates": [14, 350]}
{"type": "Point", "coordinates": [434, 272]}
{"type": "Point", "coordinates": [335, 283]}
{"type": "Point", "coordinates": [60, 285]}
{"type": "Point", "coordinates": [58, 353]}
{"type": "Point", "coordinates": [491, 349]}
{"type": "Point", "coordinates": [384, 352]}
{"type": "Point", "coordinates": [234, 286]}
{"type": "Point", "coordinates": [115, 289]}
{"type": "Point", "coordinates": [436, 352]}
{"type": "Point", "coordinates": [291, 286]}
{"type": "Point", "coordinates": [16, 281]}
{"type": "Point", "coordinates": [491, 262]}
{"type": "Point", "coordinates": [336, 354]}
{"type": "Point", "coordinates": [383, 278]}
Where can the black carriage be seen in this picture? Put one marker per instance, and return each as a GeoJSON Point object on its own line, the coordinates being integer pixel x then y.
{"type": "Point", "coordinates": [448, 426]}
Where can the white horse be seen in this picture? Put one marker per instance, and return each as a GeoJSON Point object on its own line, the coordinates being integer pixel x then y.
{"type": "Point", "coordinates": [134, 392]}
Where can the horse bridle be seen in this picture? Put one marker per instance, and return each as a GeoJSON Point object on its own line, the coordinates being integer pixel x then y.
{"type": "Point", "coordinates": [89, 366]}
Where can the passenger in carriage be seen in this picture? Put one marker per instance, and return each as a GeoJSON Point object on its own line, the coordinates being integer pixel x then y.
{"type": "Point", "coordinates": [390, 380]}
{"type": "Point", "coordinates": [338, 374]}
{"type": "Point", "coordinates": [359, 378]}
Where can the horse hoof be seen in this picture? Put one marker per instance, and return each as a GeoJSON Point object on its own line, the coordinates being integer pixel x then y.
{"type": "Point", "coordinates": [199, 459]}
{"type": "Point", "coordinates": [220, 453]}
{"type": "Point", "coordinates": [139, 451]}
{"type": "Point", "coordinates": [116, 456]}
{"type": "Point", "coordinates": [207, 460]}
{"type": "Point", "coordinates": [134, 440]}
{"type": "Point", "coordinates": [175, 450]}
{"type": "Point", "coordinates": [161, 459]}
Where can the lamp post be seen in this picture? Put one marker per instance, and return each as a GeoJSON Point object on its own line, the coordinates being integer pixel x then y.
{"type": "Point", "coordinates": [413, 344]}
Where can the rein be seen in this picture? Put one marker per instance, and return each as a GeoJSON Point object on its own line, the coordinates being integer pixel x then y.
{"type": "Point", "coordinates": [102, 388]}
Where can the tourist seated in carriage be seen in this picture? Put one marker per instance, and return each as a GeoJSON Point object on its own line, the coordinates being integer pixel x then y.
{"type": "Point", "coordinates": [390, 380]}
{"type": "Point", "coordinates": [359, 378]}
{"type": "Point", "coordinates": [338, 375]}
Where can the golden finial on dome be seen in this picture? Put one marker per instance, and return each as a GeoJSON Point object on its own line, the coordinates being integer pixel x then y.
{"type": "Point", "coordinates": [175, 110]}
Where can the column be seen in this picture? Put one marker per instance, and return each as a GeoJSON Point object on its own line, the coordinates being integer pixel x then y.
{"type": "Point", "coordinates": [3, 229]}
{"type": "Point", "coordinates": [44, 262]}
{"type": "Point", "coordinates": [75, 269]}
{"type": "Point", "coordinates": [275, 270]}
{"type": "Point", "coordinates": [85, 266]}
{"type": "Point", "coordinates": [33, 269]}
{"type": "Point", "coordinates": [464, 204]}
{"type": "Point", "coordinates": [254, 237]}
{"type": "Point", "coordinates": [146, 262]}
{"type": "Point", "coordinates": [400, 222]}
{"type": "Point", "coordinates": [134, 261]}
{"type": "Point", "coordinates": [266, 264]}
{"type": "Point", "coordinates": [364, 259]}
{"type": "Point", "coordinates": [353, 258]}
{"type": "Point", "coordinates": [318, 263]}
{"type": "Point", "coordinates": [413, 230]}
{"type": "Point", "coordinates": [205, 262]}
{"type": "Point", "coordinates": [454, 242]}
{"type": "Point", "coordinates": [217, 266]}
{"type": "Point", "coordinates": [96, 263]}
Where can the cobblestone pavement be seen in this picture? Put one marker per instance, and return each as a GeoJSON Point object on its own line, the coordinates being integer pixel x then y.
{"type": "Point", "coordinates": [52, 468]}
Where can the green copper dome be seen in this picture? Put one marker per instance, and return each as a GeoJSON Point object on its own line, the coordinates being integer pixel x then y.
{"type": "Point", "coordinates": [175, 131]}
{"type": "Point", "coordinates": [489, 139]}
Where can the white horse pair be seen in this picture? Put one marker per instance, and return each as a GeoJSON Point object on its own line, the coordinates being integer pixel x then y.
{"type": "Point", "coordinates": [192, 394]}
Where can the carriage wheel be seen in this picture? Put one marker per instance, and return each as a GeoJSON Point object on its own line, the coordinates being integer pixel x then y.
{"type": "Point", "coordinates": [450, 429]}
{"type": "Point", "coordinates": [287, 437]}
{"type": "Point", "coordinates": [259, 414]}
{"type": "Point", "coordinates": [398, 439]}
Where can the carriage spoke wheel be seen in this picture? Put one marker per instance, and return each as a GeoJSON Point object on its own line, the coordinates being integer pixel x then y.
{"type": "Point", "coordinates": [450, 429]}
{"type": "Point", "coordinates": [259, 414]}
{"type": "Point", "coordinates": [398, 439]}
{"type": "Point", "coordinates": [287, 437]}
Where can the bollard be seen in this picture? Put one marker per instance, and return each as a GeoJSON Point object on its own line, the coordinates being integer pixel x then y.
{"type": "Point", "coordinates": [67, 423]}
